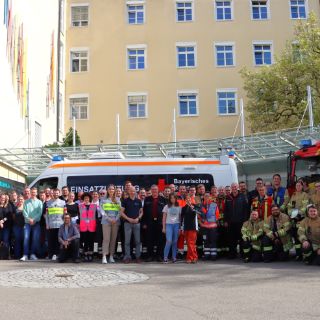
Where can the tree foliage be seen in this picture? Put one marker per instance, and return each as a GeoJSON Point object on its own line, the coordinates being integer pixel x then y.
{"type": "Point", "coordinates": [277, 94]}
{"type": "Point", "coordinates": [67, 141]}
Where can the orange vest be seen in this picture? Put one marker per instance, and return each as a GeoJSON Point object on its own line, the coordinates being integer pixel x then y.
{"type": "Point", "coordinates": [88, 218]}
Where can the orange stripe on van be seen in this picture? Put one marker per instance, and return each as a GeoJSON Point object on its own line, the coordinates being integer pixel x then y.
{"type": "Point", "coordinates": [130, 163]}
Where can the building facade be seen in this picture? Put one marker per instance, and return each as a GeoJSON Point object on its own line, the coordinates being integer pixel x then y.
{"type": "Point", "coordinates": [143, 61]}
{"type": "Point", "coordinates": [31, 74]}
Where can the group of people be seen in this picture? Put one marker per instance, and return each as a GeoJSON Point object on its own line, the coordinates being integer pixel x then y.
{"type": "Point", "coordinates": [264, 224]}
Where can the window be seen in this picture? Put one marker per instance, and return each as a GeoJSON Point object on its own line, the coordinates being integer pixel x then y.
{"type": "Point", "coordinates": [188, 103]}
{"type": "Point", "coordinates": [223, 10]}
{"type": "Point", "coordinates": [79, 108]}
{"type": "Point", "coordinates": [79, 16]}
{"type": "Point", "coordinates": [42, 184]}
{"type": "Point", "coordinates": [227, 102]}
{"type": "Point", "coordinates": [186, 55]}
{"type": "Point", "coordinates": [79, 61]}
{"type": "Point", "coordinates": [224, 55]}
{"type": "Point", "coordinates": [137, 106]}
{"type": "Point", "coordinates": [135, 13]}
{"type": "Point", "coordinates": [262, 54]}
{"type": "Point", "coordinates": [298, 9]}
{"type": "Point", "coordinates": [136, 58]}
{"type": "Point", "coordinates": [184, 11]}
{"type": "Point", "coordinates": [260, 10]}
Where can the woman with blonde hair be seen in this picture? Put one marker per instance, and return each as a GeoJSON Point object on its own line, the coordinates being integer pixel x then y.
{"type": "Point", "coordinates": [6, 212]}
{"type": "Point", "coordinates": [110, 212]}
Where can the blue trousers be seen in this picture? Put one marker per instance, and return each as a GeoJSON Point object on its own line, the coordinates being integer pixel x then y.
{"type": "Point", "coordinates": [33, 230]}
{"type": "Point", "coordinates": [172, 234]}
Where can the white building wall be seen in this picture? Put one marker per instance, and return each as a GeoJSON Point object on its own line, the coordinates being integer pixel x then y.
{"type": "Point", "coordinates": [40, 30]}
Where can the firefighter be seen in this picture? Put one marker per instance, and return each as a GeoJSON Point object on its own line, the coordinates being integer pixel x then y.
{"type": "Point", "coordinates": [296, 209]}
{"type": "Point", "coordinates": [315, 197]}
{"type": "Point", "coordinates": [263, 203]}
{"type": "Point", "coordinates": [277, 241]}
{"type": "Point", "coordinates": [252, 232]}
{"type": "Point", "coordinates": [309, 236]}
{"type": "Point", "coordinates": [208, 218]}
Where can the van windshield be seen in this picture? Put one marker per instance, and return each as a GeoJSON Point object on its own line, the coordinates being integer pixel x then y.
{"type": "Point", "coordinates": [44, 183]}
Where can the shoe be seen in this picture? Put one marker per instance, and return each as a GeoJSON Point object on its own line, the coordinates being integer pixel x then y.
{"type": "Point", "coordinates": [165, 260]}
{"type": "Point", "coordinates": [111, 260]}
{"type": "Point", "coordinates": [174, 260]}
{"type": "Point", "coordinates": [54, 258]}
{"type": "Point", "coordinates": [90, 258]}
{"type": "Point", "coordinates": [126, 261]}
{"type": "Point", "coordinates": [104, 260]}
{"type": "Point", "coordinates": [189, 261]}
{"type": "Point", "coordinates": [159, 259]}
{"type": "Point", "coordinates": [149, 259]}
{"type": "Point", "coordinates": [76, 261]}
{"type": "Point", "coordinates": [213, 258]}
{"type": "Point", "coordinates": [24, 258]}
{"type": "Point", "coordinates": [194, 261]}
{"type": "Point", "coordinates": [138, 260]}
{"type": "Point", "coordinates": [246, 260]}
{"type": "Point", "coordinates": [33, 257]}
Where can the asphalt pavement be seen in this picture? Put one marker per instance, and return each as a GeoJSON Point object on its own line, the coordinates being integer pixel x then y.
{"type": "Point", "coordinates": [207, 290]}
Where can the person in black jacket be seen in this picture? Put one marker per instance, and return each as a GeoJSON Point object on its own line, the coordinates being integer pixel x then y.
{"type": "Point", "coordinates": [236, 213]}
{"type": "Point", "coordinates": [152, 224]}
{"type": "Point", "coordinates": [254, 193]}
{"type": "Point", "coordinates": [6, 212]}
{"type": "Point", "coordinates": [189, 222]}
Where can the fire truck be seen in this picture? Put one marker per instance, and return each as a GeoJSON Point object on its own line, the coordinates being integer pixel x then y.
{"type": "Point", "coordinates": [306, 162]}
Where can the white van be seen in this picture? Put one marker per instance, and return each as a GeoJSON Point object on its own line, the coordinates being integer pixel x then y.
{"type": "Point", "coordinates": [97, 174]}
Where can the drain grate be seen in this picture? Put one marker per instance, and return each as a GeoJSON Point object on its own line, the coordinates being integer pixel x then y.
{"type": "Point", "coordinates": [63, 275]}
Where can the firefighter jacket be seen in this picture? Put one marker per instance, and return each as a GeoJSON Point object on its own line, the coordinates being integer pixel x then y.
{"type": "Point", "coordinates": [309, 230]}
{"type": "Point", "coordinates": [279, 228]}
{"type": "Point", "coordinates": [221, 202]}
{"type": "Point", "coordinates": [209, 215]}
{"type": "Point", "coordinates": [252, 230]}
{"type": "Point", "coordinates": [263, 206]}
{"type": "Point", "coordinates": [315, 199]}
{"type": "Point", "coordinates": [298, 200]}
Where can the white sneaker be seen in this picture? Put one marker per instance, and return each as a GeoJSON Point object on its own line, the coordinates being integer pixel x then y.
{"type": "Point", "coordinates": [54, 258]}
{"type": "Point", "coordinates": [33, 257]}
{"type": "Point", "coordinates": [104, 260]}
{"type": "Point", "coordinates": [24, 258]}
{"type": "Point", "coordinates": [111, 260]}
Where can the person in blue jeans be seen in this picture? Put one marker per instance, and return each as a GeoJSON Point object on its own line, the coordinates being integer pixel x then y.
{"type": "Point", "coordinates": [32, 211]}
{"type": "Point", "coordinates": [18, 228]}
{"type": "Point", "coordinates": [171, 221]}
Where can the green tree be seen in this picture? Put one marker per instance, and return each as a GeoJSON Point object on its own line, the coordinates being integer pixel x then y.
{"type": "Point", "coordinates": [277, 94]}
{"type": "Point", "coordinates": [67, 141]}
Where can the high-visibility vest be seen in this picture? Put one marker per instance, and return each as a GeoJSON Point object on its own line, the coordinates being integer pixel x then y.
{"type": "Point", "coordinates": [88, 218]}
{"type": "Point", "coordinates": [56, 211]}
{"type": "Point", "coordinates": [209, 215]}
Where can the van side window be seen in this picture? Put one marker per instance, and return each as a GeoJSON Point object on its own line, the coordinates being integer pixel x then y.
{"type": "Point", "coordinates": [51, 183]}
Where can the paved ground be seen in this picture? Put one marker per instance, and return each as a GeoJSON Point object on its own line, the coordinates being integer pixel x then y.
{"type": "Point", "coordinates": [220, 290]}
